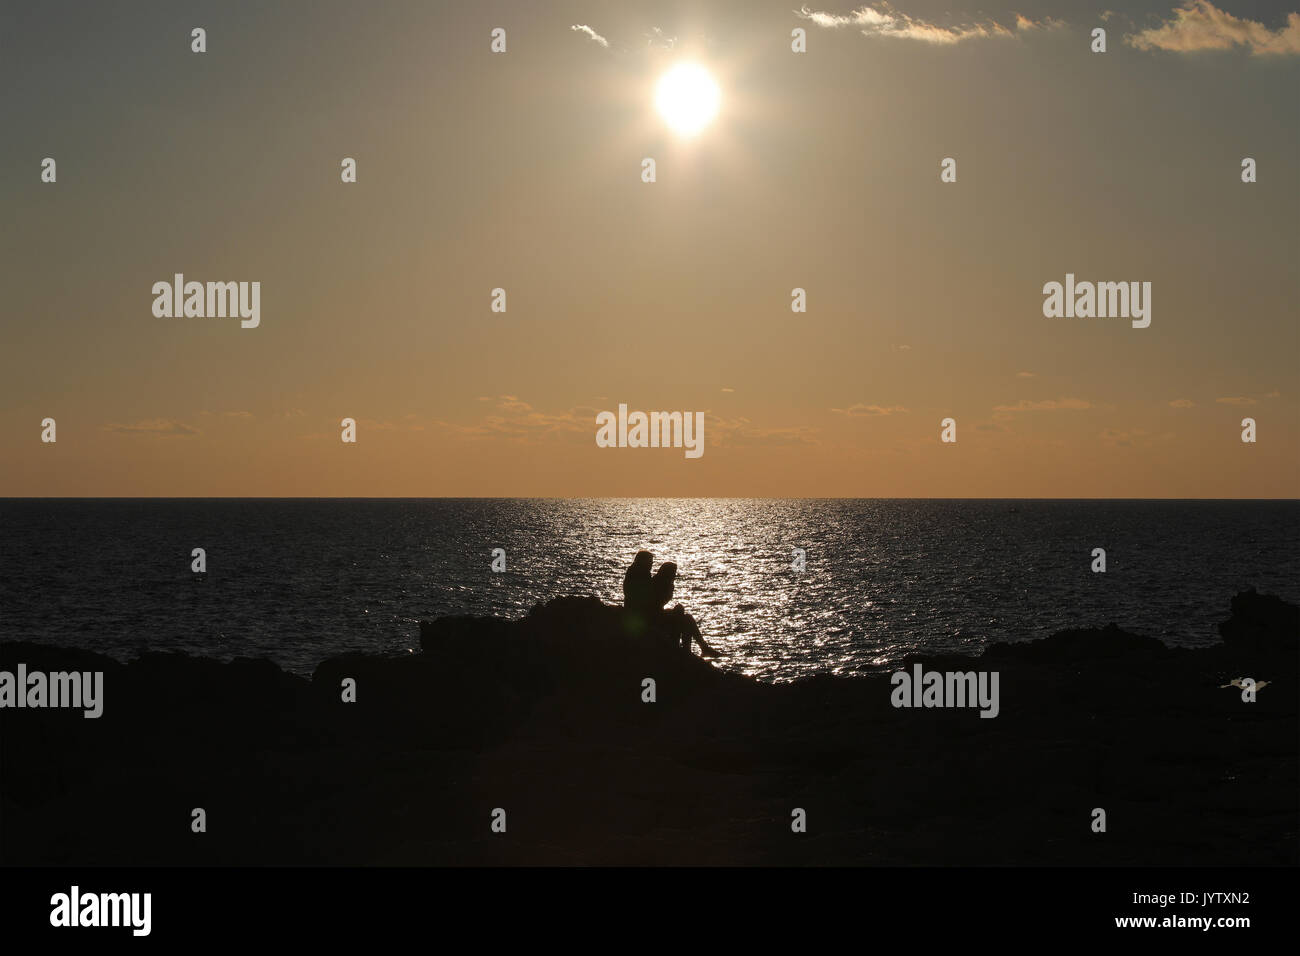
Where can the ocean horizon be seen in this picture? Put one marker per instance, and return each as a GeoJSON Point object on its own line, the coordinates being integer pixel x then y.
{"type": "Point", "coordinates": [299, 580]}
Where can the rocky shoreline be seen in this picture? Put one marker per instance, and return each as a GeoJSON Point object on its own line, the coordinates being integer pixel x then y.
{"type": "Point", "coordinates": [546, 718]}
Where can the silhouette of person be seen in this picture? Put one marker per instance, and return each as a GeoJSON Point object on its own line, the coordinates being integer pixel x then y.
{"type": "Point", "coordinates": [661, 585]}
{"type": "Point", "coordinates": [680, 625]}
{"type": "Point", "coordinates": [636, 592]}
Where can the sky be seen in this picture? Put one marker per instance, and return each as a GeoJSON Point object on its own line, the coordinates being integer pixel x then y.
{"type": "Point", "coordinates": [522, 170]}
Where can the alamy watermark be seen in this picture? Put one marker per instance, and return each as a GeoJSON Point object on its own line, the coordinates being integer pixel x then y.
{"type": "Point", "coordinates": [651, 430]}
{"type": "Point", "coordinates": [1086, 300]}
{"type": "Point", "coordinates": [74, 689]}
{"type": "Point", "coordinates": [75, 908]}
{"type": "Point", "coordinates": [924, 688]}
{"type": "Point", "coordinates": [212, 300]}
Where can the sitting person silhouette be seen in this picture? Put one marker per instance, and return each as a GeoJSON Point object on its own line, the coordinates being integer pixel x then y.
{"type": "Point", "coordinates": [679, 625]}
{"type": "Point", "coordinates": [636, 593]}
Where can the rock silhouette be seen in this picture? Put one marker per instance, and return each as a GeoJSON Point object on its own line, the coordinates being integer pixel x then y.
{"type": "Point", "coordinates": [544, 717]}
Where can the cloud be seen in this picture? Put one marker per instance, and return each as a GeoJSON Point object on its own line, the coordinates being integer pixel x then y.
{"type": "Point", "coordinates": [1026, 374]}
{"type": "Point", "coordinates": [517, 420]}
{"type": "Point", "coordinates": [728, 389]}
{"type": "Point", "coordinates": [409, 423]}
{"type": "Point", "coordinates": [882, 20]}
{"type": "Point", "coordinates": [1200, 25]}
{"type": "Point", "coordinates": [1048, 405]}
{"type": "Point", "coordinates": [1182, 403]}
{"type": "Point", "coordinates": [858, 410]}
{"type": "Point", "coordinates": [1136, 436]}
{"type": "Point", "coordinates": [583, 28]}
{"type": "Point", "coordinates": [1236, 400]}
{"type": "Point", "coordinates": [658, 38]}
{"type": "Point", "coordinates": [1123, 438]}
{"type": "Point", "coordinates": [367, 425]}
{"type": "Point", "coordinates": [162, 427]}
{"type": "Point", "coordinates": [207, 413]}
{"type": "Point", "coordinates": [1025, 24]}
{"type": "Point", "coordinates": [733, 432]}
{"type": "Point", "coordinates": [1273, 394]}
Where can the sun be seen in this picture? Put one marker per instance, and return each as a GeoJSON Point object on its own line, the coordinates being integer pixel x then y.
{"type": "Point", "coordinates": [687, 98]}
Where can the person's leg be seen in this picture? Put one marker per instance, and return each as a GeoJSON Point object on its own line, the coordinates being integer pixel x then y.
{"type": "Point", "coordinates": [693, 630]}
{"type": "Point", "coordinates": [681, 630]}
{"type": "Point", "coordinates": [668, 627]}
{"type": "Point", "coordinates": [664, 626]}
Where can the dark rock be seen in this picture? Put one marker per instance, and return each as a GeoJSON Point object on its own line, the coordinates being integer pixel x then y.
{"type": "Point", "coordinates": [1263, 627]}
{"type": "Point", "coordinates": [544, 716]}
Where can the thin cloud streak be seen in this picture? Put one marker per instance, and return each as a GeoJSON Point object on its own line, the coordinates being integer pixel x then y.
{"type": "Point", "coordinates": [583, 28]}
{"type": "Point", "coordinates": [161, 427]}
{"type": "Point", "coordinates": [1047, 405]}
{"type": "Point", "coordinates": [882, 20]}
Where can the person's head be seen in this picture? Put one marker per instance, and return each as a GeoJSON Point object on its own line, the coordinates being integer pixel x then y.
{"type": "Point", "coordinates": [662, 584]}
{"type": "Point", "coordinates": [642, 561]}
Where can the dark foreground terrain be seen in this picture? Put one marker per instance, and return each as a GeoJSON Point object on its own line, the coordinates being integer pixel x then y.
{"type": "Point", "coordinates": [544, 718]}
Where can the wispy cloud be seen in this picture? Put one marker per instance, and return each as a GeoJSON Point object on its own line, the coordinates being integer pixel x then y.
{"type": "Point", "coordinates": [1192, 26]}
{"type": "Point", "coordinates": [162, 427]}
{"type": "Point", "coordinates": [583, 28]}
{"type": "Point", "coordinates": [1121, 437]}
{"type": "Point", "coordinates": [1047, 405]}
{"type": "Point", "coordinates": [517, 420]}
{"type": "Point", "coordinates": [657, 38]}
{"type": "Point", "coordinates": [858, 410]}
{"type": "Point", "coordinates": [513, 419]}
{"type": "Point", "coordinates": [1026, 374]}
{"type": "Point", "coordinates": [882, 20]}
{"type": "Point", "coordinates": [378, 425]}
{"type": "Point", "coordinates": [1182, 403]}
{"type": "Point", "coordinates": [1127, 438]}
{"type": "Point", "coordinates": [1200, 25]}
{"type": "Point", "coordinates": [511, 403]}
{"type": "Point", "coordinates": [1024, 24]}
{"type": "Point", "coordinates": [1236, 400]}
{"type": "Point", "coordinates": [733, 432]}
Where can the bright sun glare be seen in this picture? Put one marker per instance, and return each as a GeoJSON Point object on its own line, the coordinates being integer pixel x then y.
{"type": "Point", "coordinates": [687, 98]}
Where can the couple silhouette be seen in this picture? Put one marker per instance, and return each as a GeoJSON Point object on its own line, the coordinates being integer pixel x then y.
{"type": "Point", "coordinates": [645, 600]}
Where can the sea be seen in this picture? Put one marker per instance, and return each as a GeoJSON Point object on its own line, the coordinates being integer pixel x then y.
{"type": "Point", "coordinates": [301, 580]}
